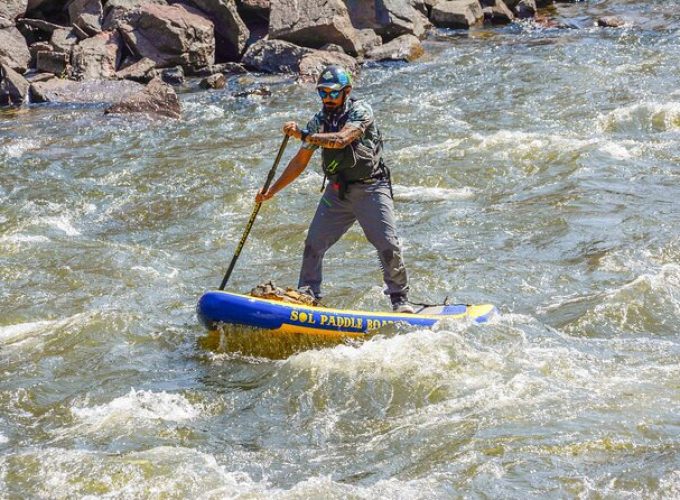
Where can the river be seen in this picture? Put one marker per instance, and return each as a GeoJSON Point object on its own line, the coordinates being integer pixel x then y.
{"type": "Point", "coordinates": [535, 168]}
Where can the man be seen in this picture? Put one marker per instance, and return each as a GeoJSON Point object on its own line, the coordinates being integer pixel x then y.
{"type": "Point", "coordinates": [359, 187]}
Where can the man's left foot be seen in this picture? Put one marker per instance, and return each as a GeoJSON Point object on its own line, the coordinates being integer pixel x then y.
{"type": "Point", "coordinates": [401, 306]}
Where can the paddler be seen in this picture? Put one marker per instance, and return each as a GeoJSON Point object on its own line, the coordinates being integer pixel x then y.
{"type": "Point", "coordinates": [359, 187]}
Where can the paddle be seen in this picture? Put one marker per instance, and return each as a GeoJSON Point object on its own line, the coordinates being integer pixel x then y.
{"type": "Point", "coordinates": [249, 226]}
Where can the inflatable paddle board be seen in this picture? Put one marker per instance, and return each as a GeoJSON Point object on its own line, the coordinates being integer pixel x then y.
{"type": "Point", "coordinates": [217, 307]}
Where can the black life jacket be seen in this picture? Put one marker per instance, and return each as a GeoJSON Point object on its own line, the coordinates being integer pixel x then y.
{"type": "Point", "coordinates": [353, 162]}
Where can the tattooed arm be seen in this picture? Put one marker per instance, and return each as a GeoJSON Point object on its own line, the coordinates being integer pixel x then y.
{"type": "Point", "coordinates": [331, 140]}
{"type": "Point", "coordinates": [335, 140]}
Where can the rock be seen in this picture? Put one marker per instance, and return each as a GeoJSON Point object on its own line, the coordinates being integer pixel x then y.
{"type": "Point", "coordinates": [368, 39]}
{"type": "Point", "coordinates": [34, 4]}
{"type": "Point", "coordinates": [216, 81]}
{"type": "Point", "coordinates": [5, 23]}
{"type": "Point", "coordinates": [172, 76]}
{"type": "Point", "coordinates": [86, 15]}
{"type": "Point", "coordinates": [67, 91]}
{"type": "Point", "coordinates": [157, 98]}
{"type": "Point", "coordinates": [258, 7]}
{"type": "Point", "coordinates": [610, 22]}
{"type": "Point", "coordinates": [230, 30]}
{"type": "Point", "coordinates": [497, 12]}
{"type": "Point", "coordinates": [56, 63]}
{"type": "Point", "coordinates": [313, 23]}
{"type": "Point", "coordinates": [63, 40]}
{"type": "Point", "coordinates": [13, 9]}
{"type": "Point", "coordinates": [457, 14]}
{"type": "Point", "coordinates": [38, 77]}
{"type": "Point", "coordinates": [140, 71]}
{"type": "Point", "coordinates": [312, 64]}
{"type": "Point", "coordinates": [388, 18]}
{"type": "Point", "coordinates": [13, 87]}
{"type": "Point", "coordinates": [170, 35]}
{"type": "Point", "coordinates": [260, 90]}
{"type": "Point", "coordinates": [37, 30]}
{"type": "Point", "coordinates": [526, 9]}
{"type": "Point", "coordinates": [115, 11]}
{"type": "Point", "coordinates": [13, 50]}
{"type": "Point", "coordinates": [331, 47]}
{"type": "Point", "coordinates": [98, 57]}
{"type": "Point", "coordinates": [229, 67]}
{"type": "Point", "coordinates": [36, 48]}
{"type": "Point", "coordinates": [405, 48]}
{"type": "Point", "coordinates": [274, 56]}
{"type": "Point", "coordinates": [277, 56]}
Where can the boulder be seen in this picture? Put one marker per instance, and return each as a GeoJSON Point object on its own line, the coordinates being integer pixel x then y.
{"type": "Point", "coordinates": [216, 81]}
{"type": "Point", "coordinates": [13, 50]}
{"type": "Point", "coordinates": [405, 48]}
{"type": "Point", "coordinates": [457, 14]}
{"type": "Point", "coordinates": [157, 98]}
{"type": "Point", "coordinates": [116, 11]}
{"type": "Point", "coordinates": [259, 8]}
{"type": "Point", "coordinates": [56, 63]}
{"type": "Point", "coordinates": [13, 87]}
{"type": "Point", "coordinates": [36, 48]}
{"type": "Point", "coordinates": [526, 9]}
{"type": "Point", "coordinates": [260, 91]}
{"type": "Point", "coordinates": [274, 56]}
{"type": "Point", "coordinates": [140, 71]}
{"type": "Point", "coordinates": [170, 35]}
{"type": "Point", "coordinates": [610, 22]}
{"type": "Point", "coordinates": [86, 15]}
{"type": "Point", "coordinates": [38, 77]}
{"type": "Point", "coordinates": [171, 76]}
{"type": "Point", "coordinates": [230, 31]}
{"type": "Point", "coordinates": [313, 23]}
{"type": "Point", "coordinates": [63, 40]}
{"type": "Point", "coordinates": [13, 9]}
{"type": "Point", "coordinates": [67, 91]}
{"type": "Point", "coordinates": [98, 57]}
{"type": "Point", "coordinates": [312, 64]}
{"type": "Point", "coordinates": [228, 67]}
{"type": "Point", "coordinates": [388, 18]}
{"type": "Point", "coordinates": [277, 56]}
{"type": "Point", "coordinates": [45, 28]}
{"type": "Point", "coordinates": [497, 12]}
{"type": "Point", "coordinates": [368, 39]}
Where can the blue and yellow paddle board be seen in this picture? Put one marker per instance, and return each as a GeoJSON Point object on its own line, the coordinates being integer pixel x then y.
{"type": "Point", "coordinates": [217, 307]}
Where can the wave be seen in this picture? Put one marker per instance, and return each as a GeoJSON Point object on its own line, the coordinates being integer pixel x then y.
{"type": "Point", "coordinates": [642, 117]}
{"type": "Point", "coordinates": [19, 147]}
{"type": "Point", "coordinates": [423, 194]}
{"type": "Point", "coordinates": [649, 304]}
{"type": "Point", "coordinates": [136, 406]}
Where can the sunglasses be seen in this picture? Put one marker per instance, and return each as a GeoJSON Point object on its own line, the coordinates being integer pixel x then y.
{"type": "Point", "coordinates": [333, 94]}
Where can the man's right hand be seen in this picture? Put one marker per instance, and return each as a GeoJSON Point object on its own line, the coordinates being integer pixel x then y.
{"type": "Point", "coordinates": [291, 129]}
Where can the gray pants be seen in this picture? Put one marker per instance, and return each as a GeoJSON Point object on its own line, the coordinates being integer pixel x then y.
{"type": "Point", "coordinates": [371, 205]}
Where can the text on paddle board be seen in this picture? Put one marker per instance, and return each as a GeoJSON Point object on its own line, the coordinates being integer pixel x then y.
{"type": "Point", "coordinates": [339, 321]}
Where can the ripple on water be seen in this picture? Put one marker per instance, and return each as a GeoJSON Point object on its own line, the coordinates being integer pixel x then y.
{"type": "Point", "coordinates": [648, 305]}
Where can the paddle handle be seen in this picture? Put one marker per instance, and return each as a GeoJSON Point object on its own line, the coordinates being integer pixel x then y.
{"type": "Point", "coordinates": [253, 215]}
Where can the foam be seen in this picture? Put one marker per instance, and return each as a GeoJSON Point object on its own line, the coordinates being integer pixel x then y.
{"type": "Point", "coordinates": [128, 410]}
{"type": "Point", "coordinates": [646, 116]}
{"type": "Point", "coordinates": [423, 193]}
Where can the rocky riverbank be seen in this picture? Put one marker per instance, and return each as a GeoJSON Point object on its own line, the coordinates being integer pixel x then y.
{"type": "Point", "coordinates": [129, 53]}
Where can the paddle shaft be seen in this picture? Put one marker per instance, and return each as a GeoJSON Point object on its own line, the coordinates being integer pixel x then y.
{"type": "Point", "coordinates": [249, 226]}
